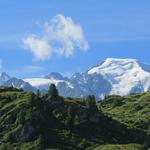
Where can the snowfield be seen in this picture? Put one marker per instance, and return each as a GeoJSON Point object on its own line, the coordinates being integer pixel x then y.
{"type": "Point", "coordinates": [42, 83]}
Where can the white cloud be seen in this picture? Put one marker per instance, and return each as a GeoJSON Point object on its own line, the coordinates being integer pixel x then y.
{"type": "Point", "coordinates": [40, 48]}
{"type": "Point", "coordinates": [61, 36]}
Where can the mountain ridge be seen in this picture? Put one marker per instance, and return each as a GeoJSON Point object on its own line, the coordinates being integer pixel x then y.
{"type": "Point", "coordinates": [112, 76]}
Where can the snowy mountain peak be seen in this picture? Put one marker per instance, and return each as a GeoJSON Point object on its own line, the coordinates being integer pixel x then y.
{"type": "Point", "coordinates": [115, 65]}
{"type": "Point", "coordinates": [120, 59]}
{"type": "Point", "coordinates": [124, 75]}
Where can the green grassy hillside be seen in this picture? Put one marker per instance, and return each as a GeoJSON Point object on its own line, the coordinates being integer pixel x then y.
{"type": "Point", "coordinates": [43, 122]}
{"type": "Point", "coordinates": [132, 110]}
{"type": "Point", "coordinates": [120, 147]}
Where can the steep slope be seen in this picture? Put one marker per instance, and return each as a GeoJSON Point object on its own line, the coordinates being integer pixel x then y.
{"type": "Point", "coordinates": [94, 84]}
{"type": "Point", "coordinates": [125, 75]}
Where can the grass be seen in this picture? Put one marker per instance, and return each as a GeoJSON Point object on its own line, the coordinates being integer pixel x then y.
{"type": "Point", "coordinates": [134, 112]}
{"type": "Point", "coordinates": [120, 147]}
{"type": "Point", "coordinates": [66, 124]}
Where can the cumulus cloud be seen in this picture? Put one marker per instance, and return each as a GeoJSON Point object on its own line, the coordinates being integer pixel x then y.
{"type": "Point", "coordinates": [61, 36]}
{"type": "Point", "coordinates": [40, 47]}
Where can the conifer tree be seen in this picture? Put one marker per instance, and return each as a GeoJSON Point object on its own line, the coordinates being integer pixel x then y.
{"type": "Point", "coordinates": [91, 103]}
{"type": "Point", "coordinates": [53, 92]}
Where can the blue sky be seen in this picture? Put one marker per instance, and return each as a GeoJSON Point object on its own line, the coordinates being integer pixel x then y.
{"type": "Point", "coordinates": [112, 28]}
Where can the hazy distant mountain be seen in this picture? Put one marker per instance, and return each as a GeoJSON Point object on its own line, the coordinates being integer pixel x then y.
{"type": "Point", "coordinates": [3, 78]}
{"type": "Point", "coordinates": [6, 80]}
{"type": "Point", "coordinates": [18, 83]}
{"type": "Point", "coordinates": [112, 76]}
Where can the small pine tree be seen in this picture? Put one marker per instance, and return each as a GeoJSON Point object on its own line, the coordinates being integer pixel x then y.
{"type": "Point", "coordinates": [91, 103]}
{"type": "Point", "coordinates": [53, 92]}
{"type": "Point", "coordinates": [38, 94]}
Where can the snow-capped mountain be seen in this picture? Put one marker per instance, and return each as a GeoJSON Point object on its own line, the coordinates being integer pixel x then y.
{"type": "Point", "coordinates": [125, 75]}
{"type": "Point", "coordinates": [61, 82]}
{"type": "Point", "coordinates": [112, 76]}
{"type": "Point", "coordinates": [79, 85]}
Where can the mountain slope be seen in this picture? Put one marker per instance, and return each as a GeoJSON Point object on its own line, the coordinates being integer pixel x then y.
{"type": "Point", "coordinates": [132, 110]}
{"type": "Point", "coordinates": [18, 83]}
{"type": "Point", "coordinates": [30, 121]}
{"type": "Point", "coordinates": [6, 80]}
